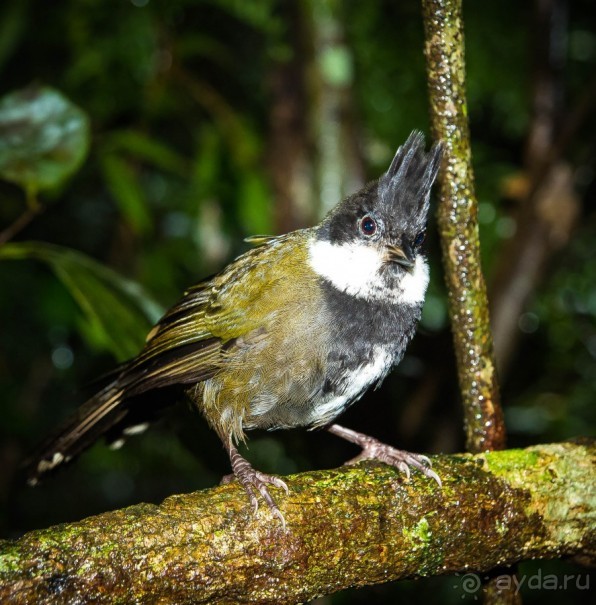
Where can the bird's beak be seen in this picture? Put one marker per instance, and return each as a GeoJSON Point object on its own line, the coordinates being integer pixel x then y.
{"type": "Point", "coordinates": [403, 256]}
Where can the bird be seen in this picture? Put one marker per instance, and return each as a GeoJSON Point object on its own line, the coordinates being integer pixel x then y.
{"type": "Point", "coordinates": [289, 334]}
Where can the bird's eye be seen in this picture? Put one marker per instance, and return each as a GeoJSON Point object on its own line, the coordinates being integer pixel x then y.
{"type": "Point", "coordinates": [368, 225]}
{"type": "Point", "coordinates": [419, 239]}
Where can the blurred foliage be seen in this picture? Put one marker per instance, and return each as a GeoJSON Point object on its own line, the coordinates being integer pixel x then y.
{"type": "Point", "coordinates": [174, 101]}
{"type": "Point", "coordinates": [43, 138]}
{"type": "Point", "coordinates": [119, 313]}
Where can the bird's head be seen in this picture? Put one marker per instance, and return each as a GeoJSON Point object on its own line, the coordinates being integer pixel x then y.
{"type": "Point", "coordinates": [370, 245]}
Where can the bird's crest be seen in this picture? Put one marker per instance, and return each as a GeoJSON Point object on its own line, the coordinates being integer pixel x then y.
{"type": "Point", "coordinates": [411, 174]}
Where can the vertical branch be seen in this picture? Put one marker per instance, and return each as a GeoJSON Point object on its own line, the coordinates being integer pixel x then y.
{"type": "Point", "coordinates": [312, 115]}
{"type": "Point", "coordinates": [468, 305]}
{"type": "Point", "coordinates": [289, 144]}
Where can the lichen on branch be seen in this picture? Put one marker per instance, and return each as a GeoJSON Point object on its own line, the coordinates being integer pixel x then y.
{"type": "Point", "coordinates": [458, 226]}
{"type": "Point", "coordinates": [352, 526]}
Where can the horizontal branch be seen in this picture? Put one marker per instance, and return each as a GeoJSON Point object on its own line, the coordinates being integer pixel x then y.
{"type": "Point", "coordinates": [352, 526]}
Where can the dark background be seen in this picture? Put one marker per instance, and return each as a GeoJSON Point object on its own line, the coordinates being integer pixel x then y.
{"type": "Point", "coordinates": [214, 120]}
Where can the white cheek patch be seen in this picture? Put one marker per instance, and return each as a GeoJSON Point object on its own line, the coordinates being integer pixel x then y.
{"type": "Point", "coordinates": [351, 268]}
{"type": "Point", "coordinates": [355, 269]}
{"type": "Point", "coordinates": [414, 283]}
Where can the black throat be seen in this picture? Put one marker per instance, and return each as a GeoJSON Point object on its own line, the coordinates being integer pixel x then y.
{"type": "Point", "coordinates": [360, 325]}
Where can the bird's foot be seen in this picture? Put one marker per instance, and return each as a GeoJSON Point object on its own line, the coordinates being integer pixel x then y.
{"type": "Point", "coordinates": [400, 459]}
{"type": "Point", "coordinates": [373, 449]}
{"type": "Point", "coordinates": [254, 482]}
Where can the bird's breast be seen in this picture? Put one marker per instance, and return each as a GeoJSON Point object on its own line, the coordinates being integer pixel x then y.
{"type": "Point", "coordinates": [345, 383]}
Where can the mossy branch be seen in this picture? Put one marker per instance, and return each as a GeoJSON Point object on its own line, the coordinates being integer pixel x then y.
{"type": "Point", "coordinates": [458, 226]}
{"type": "Point", "coordinates": [347, 527]}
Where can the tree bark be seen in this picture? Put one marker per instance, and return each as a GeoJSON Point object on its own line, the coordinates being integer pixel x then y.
{"type": "Point", "coordinates": [460, 243]}
{"type": "Point", "coordinates": [353, 526]}
{"type": "Point", "coordinates": [458, 226]}
{"type": "Point", "coordinates": [290, 148]}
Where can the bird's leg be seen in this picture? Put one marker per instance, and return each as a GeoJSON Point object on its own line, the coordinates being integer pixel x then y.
{"type": "Point", "coordinates": [376, 450]}
{"type": "Point", "coordinates": [253, 481]}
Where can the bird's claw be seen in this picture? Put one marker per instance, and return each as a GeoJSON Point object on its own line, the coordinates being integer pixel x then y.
{"type": "Point", "coordinates": [254, 482]}
{"type": "Point", "coordinates": [399, 459]}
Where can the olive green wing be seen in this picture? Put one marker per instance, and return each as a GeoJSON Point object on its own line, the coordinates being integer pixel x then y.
{"type": "Point", "coordinates": [181, 349]}
{"type": "Point", "coordinates": [186, 346]}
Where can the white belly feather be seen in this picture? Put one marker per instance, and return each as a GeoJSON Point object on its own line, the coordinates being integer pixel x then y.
{"type": "Point", "coordinates": [357, 382]}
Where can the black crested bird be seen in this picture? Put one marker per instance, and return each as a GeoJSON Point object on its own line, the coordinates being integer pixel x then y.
{"type": "Point", "coordinates": [289, 334]}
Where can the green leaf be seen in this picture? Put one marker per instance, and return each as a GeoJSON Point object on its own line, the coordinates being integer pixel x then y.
{"type": "Point", "coordinates": [119, 313]}
{"type": "Point", "coordinates": [44, 138]}
{"type": "Point", "coordinates": [148, 149]}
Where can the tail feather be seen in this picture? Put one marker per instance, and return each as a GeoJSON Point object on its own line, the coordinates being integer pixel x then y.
{"type": "Point", "coordinates": [118, 410]}
{"type": "Point", "coordinates": [81, 430]}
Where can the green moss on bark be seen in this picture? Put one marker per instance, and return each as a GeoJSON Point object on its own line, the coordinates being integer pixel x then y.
{"type": "Point", "coordinates": [352, 526]}
{"type": "Point", "coordinates": [458, 226]}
